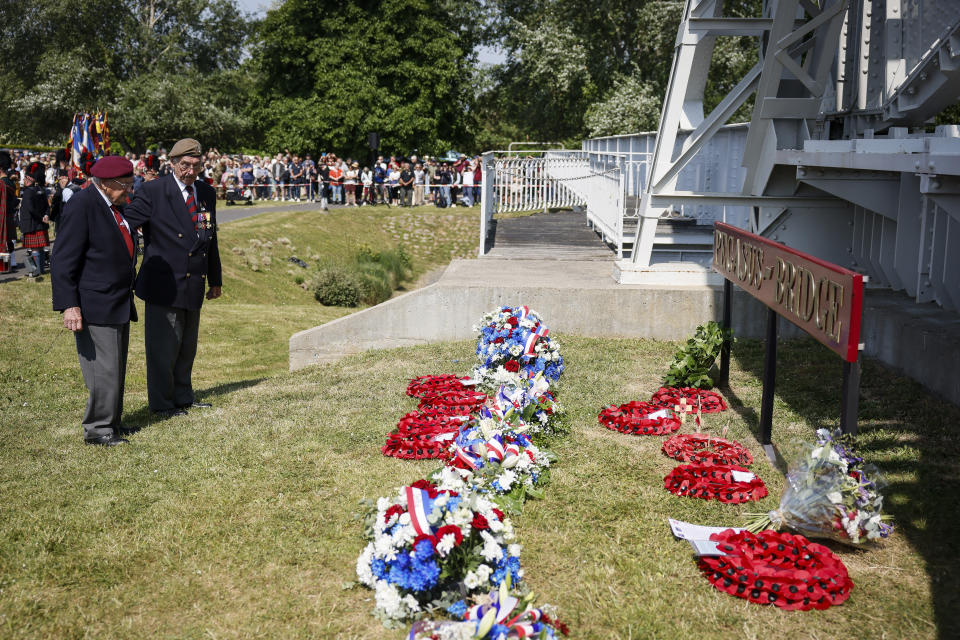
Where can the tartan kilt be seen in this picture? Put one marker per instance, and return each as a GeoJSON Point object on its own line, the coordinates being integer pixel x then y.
{"type": "Point", "coordinates": [36, 239]}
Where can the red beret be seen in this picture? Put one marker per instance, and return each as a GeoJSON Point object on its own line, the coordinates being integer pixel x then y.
{"type": "Point", "coordinates": [112, 167]}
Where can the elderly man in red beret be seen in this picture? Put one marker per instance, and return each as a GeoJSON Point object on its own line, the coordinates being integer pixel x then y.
{"type": "Point", "coordinates": [92, 273]}
{"type": "Point", "coordinates": [181, 267]}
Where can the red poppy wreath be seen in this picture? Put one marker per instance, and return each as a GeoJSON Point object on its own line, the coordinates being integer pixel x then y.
{"type": "Point", "coordinates": [777, 568]}
{"type": "Point", "coordinates": [423, 386]}
{"type": "Point", "coordinates": [700, 448]}
{"type": "Point", "coordinates": [453, 402]}
{"type": "Point", "coordinates": [726, 483]}
{"type": "Point", "coordinates": [670, 397]}
{"type": "Point", "coordinates": [421, 435]}
{"type": "Point", "coordinates": [640, 419]}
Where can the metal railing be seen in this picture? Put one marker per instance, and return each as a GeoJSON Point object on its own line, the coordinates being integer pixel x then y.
{"type": "Point", "coordinates": [512, 183]}
{"type": "Point", "coordinates": [598, 179]}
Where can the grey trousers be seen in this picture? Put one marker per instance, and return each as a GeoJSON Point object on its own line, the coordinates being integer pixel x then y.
{"type": "Point", "coordinates": [170, 336]}
{"type": "Point", "coordinates": [102, 351]}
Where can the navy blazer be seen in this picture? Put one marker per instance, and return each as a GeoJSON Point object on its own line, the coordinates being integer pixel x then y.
{"type": "Point", "coordinates": [33, 206]}
{"type": "Point", "coordinates": [180, 261]}
{"type": "Point", "coordinates": [91, 267]}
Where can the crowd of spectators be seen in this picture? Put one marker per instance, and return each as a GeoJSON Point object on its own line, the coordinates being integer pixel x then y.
{"type": "Point", "coordinates": [333, 180]}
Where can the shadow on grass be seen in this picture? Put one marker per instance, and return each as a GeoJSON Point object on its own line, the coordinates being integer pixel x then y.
{"type": "Point", "coordinates": [144, 417]}
{"type": "Point", "coordinates": [907, 432]}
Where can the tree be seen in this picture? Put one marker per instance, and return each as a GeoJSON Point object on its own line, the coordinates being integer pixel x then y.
{"type": "Point", "coordinates": [100, 54]}
{"type": "Point", "coordinates": [332, 72]}
{"type": "Point", "coordinates": [594, 67]}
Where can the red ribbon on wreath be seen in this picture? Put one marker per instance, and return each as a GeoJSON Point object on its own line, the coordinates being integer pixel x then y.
{"type": "Point", "coordinates": [634, 418]}
{"type": "Point", "coordinates": [700, 448]}
{"type": "Point", "coordinates": [709, 401]}
{"type": "Point", "coordinates": [777, 568]}
{"type": "Point", "coordinates": [717, 482]}
{"type": "Point", "coordinates": [423, 386]}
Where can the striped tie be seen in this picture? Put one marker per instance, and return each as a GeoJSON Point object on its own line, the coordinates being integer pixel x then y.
{"type": "Point", "coordinates": [127, 238]}
{"type": "Point", "coordinates": [192, 207]}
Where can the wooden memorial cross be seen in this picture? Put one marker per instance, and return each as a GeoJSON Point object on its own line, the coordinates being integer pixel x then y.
{"type": "Point", "coordinates": [821, 298]}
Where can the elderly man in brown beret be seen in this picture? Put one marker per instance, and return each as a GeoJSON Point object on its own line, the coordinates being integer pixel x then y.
{"type": "Point", "coordinates": [92, 272]}
{"type": "Point", "coordinates": [181, 262]}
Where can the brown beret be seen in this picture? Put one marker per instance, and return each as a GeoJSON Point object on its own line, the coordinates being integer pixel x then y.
{"type": "Point", "coordinates": [186, 147]}
{"type": "Point", "coordinates": [112, 167]}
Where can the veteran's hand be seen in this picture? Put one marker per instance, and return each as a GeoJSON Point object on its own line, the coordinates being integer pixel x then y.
{"type": "Point", "coordinates": [72, 319]}
{"type": "Point", "coordinates": [213, 293]}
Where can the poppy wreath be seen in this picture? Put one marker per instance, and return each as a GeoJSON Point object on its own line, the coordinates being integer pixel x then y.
{"type": "Point", "coordinates": [699, 448]}
{"type": "Point", "coordinates": [422, 435]}
{"type": "Point", "coordinates": [777, 568]}
{"type": "Point", "coordinates": [634, 418]}
{"type": "Point", "coordinates": [453, 402]}
{"type": "Point", "coordinates": [423, 386]}
{"type": "Point", "coordinates": [714, 482]}
{"type": "Point", "coordinates": [669, 397]}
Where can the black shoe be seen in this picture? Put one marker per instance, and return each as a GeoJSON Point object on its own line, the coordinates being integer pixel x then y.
{"type": "Point", "coordinates": [169, 413]}
{"type": "Point", "coordinates": [127, 431]}
{"type": "Point", "coordinates": [109, 440]}
{"type": "Point", "coordinates": [195, 405]}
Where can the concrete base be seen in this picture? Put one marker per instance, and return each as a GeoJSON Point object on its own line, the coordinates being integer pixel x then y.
{"type": "Point", "coordinates": [574, 297]}
{"type": "Point", "coordinates": [675, 274]}
{"type": "Point", "coordinates": [581, 298]}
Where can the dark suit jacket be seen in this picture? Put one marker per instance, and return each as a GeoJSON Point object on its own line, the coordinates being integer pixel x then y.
{"type": "Point", "coordinates": [33, 206]}
{"type": "Point", "coordinates": [180, 261]}
{"type": "Point", "coordinates": [90, 267]}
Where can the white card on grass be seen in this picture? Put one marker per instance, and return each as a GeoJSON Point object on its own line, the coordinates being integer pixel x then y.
{"type": "Point", "coordinates": [705, 548]}
{"type": "Point", "coordinates": [687, 531]}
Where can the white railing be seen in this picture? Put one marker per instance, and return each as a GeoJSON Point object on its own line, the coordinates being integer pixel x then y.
{"type": "Point", "coordinates": [599, 181]}
{"type": "Point", "coordinates": [514, 183]}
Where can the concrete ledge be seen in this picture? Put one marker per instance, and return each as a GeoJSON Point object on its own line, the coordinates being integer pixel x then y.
{"type": "Point", "coordinates": [580, 298]}
{"type": "Point", "coordinates": [675, 274]}
{"type": "Point", "coordinates": [573, 297]}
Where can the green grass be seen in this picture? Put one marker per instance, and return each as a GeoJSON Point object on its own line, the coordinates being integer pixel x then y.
{"type": "Point", "coordinates": [237, 522]}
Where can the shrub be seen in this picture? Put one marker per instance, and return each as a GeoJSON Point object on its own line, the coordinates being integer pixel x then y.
{"type": "Point", "coordinates": [692, 363]}
{"type": "Point", "coordinates": [337, 286]}
{"type": "Point", "coordinates": [370, 279]}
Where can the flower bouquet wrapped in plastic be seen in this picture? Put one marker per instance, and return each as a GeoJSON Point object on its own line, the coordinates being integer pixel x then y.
{"type": "Point", "coordinates": [830, 494]}
{"type": "Point", "coordinates": [429, 546]}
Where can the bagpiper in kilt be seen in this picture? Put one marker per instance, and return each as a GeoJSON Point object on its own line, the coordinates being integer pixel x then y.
{"type": "Point", "coordinates": [8, 209]}
{"type": "Point", "coordinates": [34, 217]}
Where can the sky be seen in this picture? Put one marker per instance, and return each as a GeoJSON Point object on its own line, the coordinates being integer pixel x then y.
{"type": "Point", "coordinates": [486, 55]}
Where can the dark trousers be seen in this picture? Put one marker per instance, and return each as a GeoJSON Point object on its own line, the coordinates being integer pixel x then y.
{"type": "Point", "coordinates": [170, 337]}
{"type": "Point", "coordinates": [102, 351]}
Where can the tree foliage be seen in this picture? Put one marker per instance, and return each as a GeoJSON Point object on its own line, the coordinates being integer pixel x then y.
{"type": "Point", "coordinates": [577, 67]}
{"type": "Point", "coordinates": [115, 55]}
{"type": "Point", "coordinates": [332, 72]}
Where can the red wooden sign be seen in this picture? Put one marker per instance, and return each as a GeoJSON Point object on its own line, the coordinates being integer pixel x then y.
{"type": "Point", "coordinates": [821, 298]}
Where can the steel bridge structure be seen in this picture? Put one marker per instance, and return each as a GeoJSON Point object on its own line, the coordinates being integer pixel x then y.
{"type": "Point", "coordinates": [839, 158]}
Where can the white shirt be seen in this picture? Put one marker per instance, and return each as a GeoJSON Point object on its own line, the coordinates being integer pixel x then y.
{"type": "Point", "coordinates": [110, 205]}
{"type": "Point", "coordinates": [183, 189]}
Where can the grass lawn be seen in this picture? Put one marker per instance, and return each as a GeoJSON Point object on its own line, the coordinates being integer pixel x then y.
{"type": "Point", "coordinates": [238, 522]}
